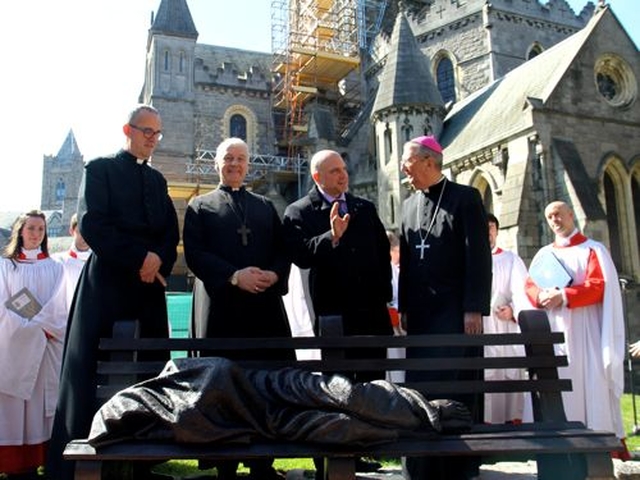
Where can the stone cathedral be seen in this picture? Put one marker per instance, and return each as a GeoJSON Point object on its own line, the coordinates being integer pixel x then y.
{"type": "Point", "coordinates": [532, 102]}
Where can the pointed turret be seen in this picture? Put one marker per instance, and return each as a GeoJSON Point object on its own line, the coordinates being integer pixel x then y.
{"type": "Point", "coordinates": [405, 79]}
{"type": "Point", "coordinates": [407, 104]}
{"type": "Point", "coordinates": [69, 149]}
{"type": "Point", "coordinates": [174, 19]}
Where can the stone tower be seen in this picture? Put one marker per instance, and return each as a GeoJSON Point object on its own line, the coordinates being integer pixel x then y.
{"type": "Point", "coordinates": [169, 84]}
{"type": "Point", "coordinates": [407, 104]}
{"type": "Point", "coordinates": [61, 177]}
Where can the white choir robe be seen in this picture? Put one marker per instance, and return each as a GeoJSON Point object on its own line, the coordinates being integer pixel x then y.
{"type": "Point", "coordinates": [395, 376]}
{"type": "Point", "coordinates": [297, 303]}
{"type": "Point", "coordinates": [30, 377]}
{"type": "Point", "coordinates": [594, 337]}
{"type": "Point", "coordinates": [507, 288]}
{"type": "Point", "coordinates": [73, 261]}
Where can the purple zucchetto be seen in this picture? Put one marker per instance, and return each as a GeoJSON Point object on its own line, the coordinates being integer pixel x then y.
{"type": "Point", "coordinates": [428, 141]}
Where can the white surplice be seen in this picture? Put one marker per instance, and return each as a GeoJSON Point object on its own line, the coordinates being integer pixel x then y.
{"type": "Point", "coordinates": [299, 308]}
{"type": "Point", "coordinates": [73, 261]}
{"type": "Point", "coordinates": [594, 339]}
{"type": "Point", "coordinates": [30, 351]}
{"type": "Point", "coordinates": [507, 289]}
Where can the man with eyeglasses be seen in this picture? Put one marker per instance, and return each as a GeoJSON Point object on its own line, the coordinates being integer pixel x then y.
{"type": "Point", "coordinates": [126, 216]}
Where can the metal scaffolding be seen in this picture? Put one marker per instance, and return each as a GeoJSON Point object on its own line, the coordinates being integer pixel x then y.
{"type": "Point", "coordinates": [315, 45]}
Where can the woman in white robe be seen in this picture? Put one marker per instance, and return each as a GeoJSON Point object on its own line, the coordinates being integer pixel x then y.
{"type": "Point", "coordinates": [31, 344]}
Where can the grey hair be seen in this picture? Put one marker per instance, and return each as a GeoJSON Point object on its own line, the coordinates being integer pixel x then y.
{"type": "Point", "coordinates": [226, 143]}
{"type": "Point", "coordinates": [133, 114]}
{"type": "Point", "coordinates": [427, 152]}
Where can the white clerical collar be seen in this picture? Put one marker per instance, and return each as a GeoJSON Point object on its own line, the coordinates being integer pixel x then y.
{"type": "Point", "coordinates": [565, 241]}
{"type": "Point", "coordinates": [140, 161]}
{"type": "Point", "coordinates": [31, 255]}
{"type": "Point", "coordinates": [442, 179]}
{"type": "Point", "coordinates": [82, 255]}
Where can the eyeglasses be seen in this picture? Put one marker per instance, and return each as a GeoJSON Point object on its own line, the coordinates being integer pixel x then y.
{"type": "Point", "coordinates": [148, 133]}
{"type": "Point", "coordinates": [413, 159]}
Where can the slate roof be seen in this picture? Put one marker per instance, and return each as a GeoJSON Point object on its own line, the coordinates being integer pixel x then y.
{"type": "Point", "coordinates": [174, 18]}
{"type": "Point", "coordinates": [405, 79]}
{"type": "Point", "coordinates": [69, 148]}
{"type": "Point", "coordinates": [497, 111]}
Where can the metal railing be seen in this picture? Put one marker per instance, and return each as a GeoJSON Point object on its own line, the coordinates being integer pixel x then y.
{"type": "Point", "coordinates": [259, 165]}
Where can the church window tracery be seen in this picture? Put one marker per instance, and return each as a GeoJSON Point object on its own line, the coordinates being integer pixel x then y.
{"type": "Point", "coordinates": [61, 189]}
{"type": "Point", "coordinates": [238, 126]}
{"type": "Point", "coordinates": [615, 81]}
{"type": "Point", "coordinates": [446, 80]}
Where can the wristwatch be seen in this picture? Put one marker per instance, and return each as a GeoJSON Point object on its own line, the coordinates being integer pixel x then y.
{"type": "Point", "coordinates": [234, 279]}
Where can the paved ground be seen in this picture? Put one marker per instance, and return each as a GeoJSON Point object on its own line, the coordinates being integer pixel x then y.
{"type": "Point", "coordinates": [496, 471]}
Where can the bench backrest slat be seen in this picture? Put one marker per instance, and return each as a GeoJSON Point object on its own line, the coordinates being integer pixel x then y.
{"type": "Point", "coordinates": [123, 366]}
{"type": "Point", "coordinates": [186, 344]}
{"type": "Point", "coordinates": [338, 365]}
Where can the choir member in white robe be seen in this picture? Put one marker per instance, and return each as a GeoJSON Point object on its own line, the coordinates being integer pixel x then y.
{"type": "Point", "coordinates": [30, 347]}
{"type": "Point", "coordinates": [299, 308]}
{"type": "Point", "coordinates": [589, 311]}
{"type": "Point", "coordinates": [74, 259]}
{"type": "Point", "coordinates": [395, 376]}
{"type": "Point", "coordinates": [507, 299]}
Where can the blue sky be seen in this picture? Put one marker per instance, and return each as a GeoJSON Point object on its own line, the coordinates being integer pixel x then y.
{"type": "Point", "coordinates": [79, 65]}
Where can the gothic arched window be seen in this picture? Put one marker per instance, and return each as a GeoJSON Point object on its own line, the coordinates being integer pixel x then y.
{"type": "Point", "coordinates": [446, 80]}
{"type": "Point", "coordinates": [388, 141]}
{"type": "Point", "coordinates": [613, 220]}
{"type": "Point", "coordinates": [635, 196]}
{"type": "Point", "coordinates": [407, 129]}
{"type": "Point", "coordinates": [238, 126]}
{"type": "Point", "coordinates": [61, 190]}
{"type": "Point", "coordinates": [534, 51]}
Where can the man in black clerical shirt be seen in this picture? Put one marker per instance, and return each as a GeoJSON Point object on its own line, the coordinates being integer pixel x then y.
{"type": "Point", "coordinates": [126, 216]}
{"type": "Point", "coordinates": [233, 243]}
{"type": "Point", "coordinates": [445, 277]}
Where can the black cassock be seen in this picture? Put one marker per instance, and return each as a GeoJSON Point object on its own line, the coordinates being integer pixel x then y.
{"type": "Point", "coordinates": [225, 231]}
{"type": "Point", "coordinates": [124, 211]}
{"type": "Point", "coordinates": [440, 281]}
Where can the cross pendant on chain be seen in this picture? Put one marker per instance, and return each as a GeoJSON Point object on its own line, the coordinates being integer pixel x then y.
{"type": "Point", "coordinates": [422, 247]}
{"type": "Point", "coordinates": [244, 232]}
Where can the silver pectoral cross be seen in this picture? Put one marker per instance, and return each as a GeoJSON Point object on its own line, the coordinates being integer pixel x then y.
{"type": "Point", "coordinates": [422, 247]}
{"type": "Point", "coordinates": [244, 232]}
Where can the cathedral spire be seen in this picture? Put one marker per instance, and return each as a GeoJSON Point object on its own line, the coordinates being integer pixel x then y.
{"type": "Point", "coordinates": [69, 148]}
{"type": "Point", "coordinates": [174, 19]}
{"type": "Point", "coordinates": [405, 80]}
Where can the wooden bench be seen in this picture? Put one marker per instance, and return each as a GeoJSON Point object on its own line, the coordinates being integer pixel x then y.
{"type": "Point", "coordinates": [562, 449]}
